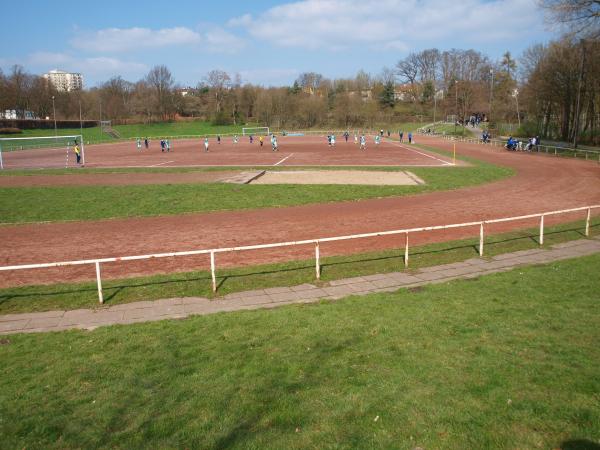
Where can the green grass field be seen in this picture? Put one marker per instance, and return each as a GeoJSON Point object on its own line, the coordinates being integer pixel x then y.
{"type": "Point", "coordinates": [509, 360]}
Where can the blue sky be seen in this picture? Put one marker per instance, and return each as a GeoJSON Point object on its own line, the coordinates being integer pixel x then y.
{"type": "Point", "coordinates": [268, 42]}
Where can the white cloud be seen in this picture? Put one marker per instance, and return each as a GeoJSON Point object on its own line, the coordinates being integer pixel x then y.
{"type": "Point", "coordinates": [126, 39]}
{"type": "Point", "coordinates": [390, 24]}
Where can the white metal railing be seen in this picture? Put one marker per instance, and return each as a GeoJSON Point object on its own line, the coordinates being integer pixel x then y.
{"type": "Point", "coordinates": [316, 242]}
{"type": "Point", "coordinates": [555, 150]}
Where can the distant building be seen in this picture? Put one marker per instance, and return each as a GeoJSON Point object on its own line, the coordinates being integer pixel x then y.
{"type": "Point", "coordinates": [65, 81]}
{"type": "Point", "coordinates": [13, 114]}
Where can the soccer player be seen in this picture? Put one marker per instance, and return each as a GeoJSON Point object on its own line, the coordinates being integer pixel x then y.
{"type": "Point", "coordinates": [205, 144]}
{"type": "Point", "coordinates": [401, 134]}
{"type": "Point", "coordinates": [138, 143]}
{"type": "Point", "coordinates": [146, 143]}
{"type": "Point", "coordinates": [218, 138]}
{"type": "Point", "coordinates": [329, 140]}
{"type": "Point", "coordinates": [260, 139]}
{"type": "Point", "coordinates": [274, 143]}
{"type": "Point", "coordinates": [363, 142]}
{"type": "Point", "coordinates": [162, 145]}
{"type": "Point", "coordinates": [168, 145]}
{"type": "Point", "coordinates": [235, 139]}
{"type": "Point", "coordinates": [410, 137]}
{"type": "Point", "coordinates": [333, 140]}
{"type": "Point", "coordinates": [355, 138]}
{"type": "Point", "coordinates": [251, 139]}
{"type": "Point", "coordinates": [377, 140]}
{"type": "Point", "coordinates": [346, 135]}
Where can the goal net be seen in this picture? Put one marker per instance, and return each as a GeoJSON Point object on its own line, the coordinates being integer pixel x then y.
{"type": "Point", "coordinates": [41, 152]}
{"type": "Point", "coordinates": [255, 131]}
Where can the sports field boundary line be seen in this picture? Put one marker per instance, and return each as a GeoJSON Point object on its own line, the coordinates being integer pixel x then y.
{"type": "Point", "coordinates": [181, 308]}
{"type": "Point", "coordinates": [284, 159]}
{"type": "Point", "coordinates": [445, 163]}
{"type": "Point", "coordinates": [160, 164]}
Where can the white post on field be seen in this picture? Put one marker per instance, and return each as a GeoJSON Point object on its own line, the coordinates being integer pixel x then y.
{"type": "Point", "coordinates": [317, 261]}
{"type": "Point", "coordinates": [481, 239]}
{"type": "Point", "coordinates": [542, 229]}
{"type": "Point", "coordinates": [587, 222]}
{"type": "Point", "coordinates": [406, 251]}
{"type": "Point", "coordinates": [212, 271]}
{"type": "Point", "coordinates": [99, 282]}
{"type": "Point", "coordinates": [82, 152]}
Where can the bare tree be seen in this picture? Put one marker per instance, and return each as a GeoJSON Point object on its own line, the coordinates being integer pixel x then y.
{"type": "Point", "coordinates": [580, 17]}
{"type": "Point", "coordinates": [161, 80]}
{"type": "Point", "coordinates": [220, 83]}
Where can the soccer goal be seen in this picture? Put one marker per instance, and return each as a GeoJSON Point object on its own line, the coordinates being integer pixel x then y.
{"type": "Point", "coordinates": [255, 131]}
{"type": "Point", "coordinates": [41, 152]}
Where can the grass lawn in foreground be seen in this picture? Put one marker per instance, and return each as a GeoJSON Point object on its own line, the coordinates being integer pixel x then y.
{"type": "Point", "coordinates": [61, 203]}
{"type": "Point", "coordinates": [198, 283]}
{"type": "Point", "coordinates": [509, 360]}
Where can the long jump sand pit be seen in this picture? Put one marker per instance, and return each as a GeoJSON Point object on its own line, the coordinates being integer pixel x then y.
{"type": "Point", "coordinates": [365, 177]}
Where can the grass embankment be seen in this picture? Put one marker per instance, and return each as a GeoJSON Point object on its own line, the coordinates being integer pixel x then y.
{"type": "Point", "coordinates": [61, 203]}
{"type": "Point", "coordinates": [509, 360]}
{"type": "Point", "coordinates": [192, 284]}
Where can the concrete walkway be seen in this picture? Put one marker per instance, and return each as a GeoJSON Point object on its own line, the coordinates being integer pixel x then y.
{"type": "Point", "coordinates": [178, 308]}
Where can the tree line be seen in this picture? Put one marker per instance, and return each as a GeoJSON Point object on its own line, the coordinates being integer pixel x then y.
{"type": "Point", "coordinates": [552, 90]}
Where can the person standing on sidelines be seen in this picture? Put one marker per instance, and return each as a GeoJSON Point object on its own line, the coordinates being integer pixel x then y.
{"type": "Point", "coordinates": [146, 143]}
{"type": "Point", "coordinates": [206, 144]}
{"type": "Point", "coordinates": [410, 137]}
{"type": "Point", "coordinates": [138, 143]}
{"type": "Point", "coordinates": [401, 134]}
{"type": "Point", "coordinates": [77, 152]}
{"type": "Point", "coordinates": [218, 138]}
{"type": "Point", "coordinates": [363, 142]}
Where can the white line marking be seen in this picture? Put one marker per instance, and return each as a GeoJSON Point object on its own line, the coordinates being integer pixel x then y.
{"type": "Point", "coordinates": [160, 164]}
{"type": "Point", "coordinates": [277, 163]}
{"type": "Point", "coordinates": [446, 163]}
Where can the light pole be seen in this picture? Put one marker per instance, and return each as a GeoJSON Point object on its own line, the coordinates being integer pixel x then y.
{"type": "Point", "coordinates": [491, 96]}
{"type": "Point", "coordinates": [455, 104]}
{"type": "Point", "coordinates": [54, 114]}
{"type": "Point", "coordinates": [516, 96]}
{"type": "Point", "coordinates": [80, 119]}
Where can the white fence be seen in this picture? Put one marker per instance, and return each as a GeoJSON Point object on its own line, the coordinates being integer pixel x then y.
{"type": "Point", "coordinates": [315, 242]}
{"type": "Point", "coordinates": [555, 150]}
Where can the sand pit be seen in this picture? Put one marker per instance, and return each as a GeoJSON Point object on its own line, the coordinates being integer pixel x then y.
{"type": "Point", "coordinates": [400, 178]}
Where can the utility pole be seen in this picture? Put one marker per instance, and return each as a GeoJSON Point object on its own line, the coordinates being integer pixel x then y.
{"type": "Point", "coordinates": [578, 105]}
{"type": "Point", "coordinates": [455, 104]}
{"type": "Point", "coordinates": [491, 96]}
{"type": "Point", "coordinates": [516, 94]}
{"type": "Point", "coordinates": [54, 114]}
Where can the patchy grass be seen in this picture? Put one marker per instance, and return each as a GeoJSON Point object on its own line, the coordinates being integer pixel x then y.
{"type": "Point", "coordinates": [509, 360]}
{"type": "Point", "coordinates": [190, 284]}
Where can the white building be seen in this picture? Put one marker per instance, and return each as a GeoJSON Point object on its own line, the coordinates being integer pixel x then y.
{"type": "Point", "coordinates": [65, 81]}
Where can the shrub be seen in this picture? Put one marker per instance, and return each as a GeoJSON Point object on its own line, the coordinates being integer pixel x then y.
{"type": "Point", "coordinates": [10, 130]}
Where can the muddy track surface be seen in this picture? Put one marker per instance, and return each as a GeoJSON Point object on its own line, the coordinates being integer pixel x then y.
{"type": "Point", "coordinates": [541, 183]}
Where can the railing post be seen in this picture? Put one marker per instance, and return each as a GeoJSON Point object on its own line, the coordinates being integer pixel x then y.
{"type": "Point", "coordinates": [587, 222]}
{"type": "Point", "coordinates": [212, 271]}
{"type": "Point", "coordinates": [99, 282]}
{"type": "Point", "coordinates": [406, 251]}
{"type": "Point", "coordinates": [481, 239]}
{"type": "Point", "coordinates": [542, 229]}
{"type": "Point", "coordinates": [317, 261]}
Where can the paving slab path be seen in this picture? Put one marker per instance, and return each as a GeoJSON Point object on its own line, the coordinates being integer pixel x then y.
{"type": "Point", "coordinates": [179, 308]}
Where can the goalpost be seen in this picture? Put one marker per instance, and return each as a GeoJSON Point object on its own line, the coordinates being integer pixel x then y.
{"type": "Point", "coordinates": [40, 152]}
{"type": "Point", "coordinates": [255, 131]}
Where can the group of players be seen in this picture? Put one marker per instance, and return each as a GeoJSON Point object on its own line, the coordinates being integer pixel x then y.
{"type": "Point", "coordinates": [165, 144]}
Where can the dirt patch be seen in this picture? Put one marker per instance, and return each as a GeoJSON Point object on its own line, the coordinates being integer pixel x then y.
{"type": "Point", "coordinates": [116, 179]}
{"type": "Point", "coordinates": [339, 177]}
